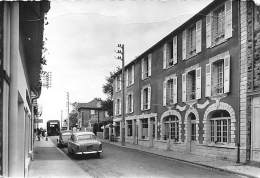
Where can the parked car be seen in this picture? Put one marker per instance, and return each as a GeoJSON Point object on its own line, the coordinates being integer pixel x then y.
{"type": "Point", "coordinates": [63, 138]}
{"type": "Point", "coordinates": [84, 143]}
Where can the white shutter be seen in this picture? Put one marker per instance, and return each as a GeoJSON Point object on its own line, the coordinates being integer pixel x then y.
{"type": "Point", "coordinates": [149, 97]}
{"type": "Point", "coordinates": [208, 29]}
{"type": "Point", "coordinates": [164, 92]}
{"type": "Point", "coordinates": [227, 73]}
{"type": "Point", "coordinates": [198, 36]}
{"type": "Point", "coordinates": [149, 64]}
{"type": "Point", "coordinates": [174, 45]}
{"type": "Point", "coordinates": [198, 83]}
{"type": "Point", "coordinates": [228, 19]}
{"type": "Point", "coordinates": [126, 78]}
{"type": "Point", "coordinates": [120, 107]}
{"type": "Point", "coordinates": [184, 87]}
{"type": "Point", "coordinates": [132, 103]}
{"type": "Point", "coordinates": [208, 80]}
{"type": "Point", "coordinates": [142, 68]}
{"type": "Point", "coordinates": [126, 104]}
{"type": "Point", "coordinates": [115, 108]}
{"type": "Point", "coordinates": [120, 81]}
{"type": "Point", "coordinates": [164, 55]}
{"type": "Point", "coordinates": [175, 95]}
{"type": "Point", "coordinates": [184, 44]}
{"type": "Point", "coordinates": [133, 73]}
{"type": "Point", "coordinates": [142, 99]}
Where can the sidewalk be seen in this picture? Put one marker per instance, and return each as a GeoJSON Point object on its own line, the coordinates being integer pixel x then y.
{"type": "Point", "coordinates": [51, 162]}
{"type": "Point", "coordinates": [223, 165]}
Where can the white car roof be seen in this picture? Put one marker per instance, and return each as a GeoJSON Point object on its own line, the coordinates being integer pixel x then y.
{"type": "Point", "coordinates": [83, 133]}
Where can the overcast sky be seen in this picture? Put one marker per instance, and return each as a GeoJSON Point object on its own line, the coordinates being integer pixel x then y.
{"type": "Point", "coordinates": [83, 34]}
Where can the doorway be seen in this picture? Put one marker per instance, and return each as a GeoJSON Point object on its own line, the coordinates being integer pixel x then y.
{"type": "Point", "coordinates": [255, 129]}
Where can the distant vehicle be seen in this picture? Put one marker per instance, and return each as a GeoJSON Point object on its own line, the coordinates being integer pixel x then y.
{"type": "Point", "coordinates": [84, 143]}
{"type": "Point", "coordinates": [53, 127]}
{"type": "Point", "coordinates": [64, 137]}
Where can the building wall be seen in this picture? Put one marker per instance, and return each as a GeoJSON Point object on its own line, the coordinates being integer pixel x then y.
{"type": "Point", "coordinates": [201, 107]}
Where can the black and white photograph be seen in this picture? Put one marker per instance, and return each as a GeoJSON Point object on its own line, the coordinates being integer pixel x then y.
{"type": "Point", "coordinates": [130, 88]}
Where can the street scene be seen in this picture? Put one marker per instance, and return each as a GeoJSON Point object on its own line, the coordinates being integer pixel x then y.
{"type": "Point", "coordinates": [130, 88]}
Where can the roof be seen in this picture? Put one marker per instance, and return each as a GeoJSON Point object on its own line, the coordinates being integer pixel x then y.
{"type": "Point", "coordinates": [198, 15]}
{"type": "Point", "coordinates": [83, 133]}
{"type": "Point", "coordinates": [93, 104]}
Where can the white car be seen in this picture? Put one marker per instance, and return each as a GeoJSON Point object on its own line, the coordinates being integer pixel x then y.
{"type": "Point", "coordinates": [84, 143]}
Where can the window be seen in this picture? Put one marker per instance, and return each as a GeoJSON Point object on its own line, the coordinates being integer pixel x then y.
{"type": "Point", "coordinates": [192, 40]}
{"type": "Point", "coordinates": [191, 85]}
{"type": "Point", "coordinates": [118, 83]}
{"type": "Point", "coordinates": [170, 90]}
{"type": "Point", "coordinates": [219, 24]}
{"type": "Point", "coordinates": [220, 127]}
{"type": "Point", "coordinates": [118, 107]}
{"type": "Point", "coordinates": [146, 66]}
{"type": "Point", "coordinates": [193, 127]}
{"type": "Point", "coordinates": [129, 103]}
{"type": "Point", "coordinates": [130, 76]}
{"type": "Point", "coordinates": [170, 53]}
{"type": "Point", "coordinates": [129, 128]}
{"type": "Point", "coordinates": [218, 75]}
{"type": "Point", "coordinates": [171, 125]}
{"type": "Point", "coordinates": [145, 98]}
{"type": "Point", "coordinates": [144, 128]}
{"type": "Point", "coordinates": [92, 112]}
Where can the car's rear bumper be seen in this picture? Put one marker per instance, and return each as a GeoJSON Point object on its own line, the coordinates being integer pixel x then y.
{"type": "Point", "coordinates": [89, 152]}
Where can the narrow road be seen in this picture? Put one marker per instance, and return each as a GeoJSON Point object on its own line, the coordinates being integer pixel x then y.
{"type": "Point", "coordinates": [123, 162]}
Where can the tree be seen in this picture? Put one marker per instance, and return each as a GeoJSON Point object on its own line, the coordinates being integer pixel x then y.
{"type": "Point", "coordinates": [108, 86]}
{"type": "Point", "coordinates": [107, 105]}
{"type": "Point", "coordinates": [73, 119]}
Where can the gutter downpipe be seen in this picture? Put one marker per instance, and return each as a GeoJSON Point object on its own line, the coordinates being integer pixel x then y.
{"type": "Point", "coordinates": [238, 120]}
{"type": "Point", "coordinates": [32, 122]}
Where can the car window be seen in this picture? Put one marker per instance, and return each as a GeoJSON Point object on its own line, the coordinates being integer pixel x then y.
{"type": "Point", "coordinates": [86, 137]}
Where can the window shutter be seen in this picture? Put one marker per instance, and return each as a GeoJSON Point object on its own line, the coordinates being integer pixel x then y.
{"type": "Point", "coordinates": [227, 73]}
{"type": "Point", "coordinates": [174, 50]}
{"type": "Point", "coordinates": [149, 64]}
{"type": "Point", "coordinates": [208, 80]}
{"type": "Point", "coordinates": [175, 90]}
{"type": "Point", "coordinates": [198, 36]}
{"type": "Point", "coordinates": [164, 55]}
{"type": "Point", "coordinates": [198, 83]}
{"type": "Point", "coordinates": [126, 78]}
{"type": "Point", "coordinates": [184, 43]}
{"type": "Point", "coordinates": [133, 74]}
{"type": "Point", "coordinates": [132, 104]}
{"type": "Point", "coordinates": [120, 82]}
{"type": "Point", "coordinates": [184, 87]}
{"type": "Point", "coordinates": [142, 68]}
{"type": "Point", "coordinates": [149, 97]}
{"type": "Point", "coordinates": [228, 19]}
{"type": "Point", "coordinates": [126, 104]}
{"type": "Point", "coordinates": [164, 92]}
{"type": "Point", "coordinates": [142, 99]}
{"type": "Point", "coordinates": [115, 108]}
{"type": "Point", "coordinates": [120, 107]}
{"type": "Point", "coordinates": [208, 29]}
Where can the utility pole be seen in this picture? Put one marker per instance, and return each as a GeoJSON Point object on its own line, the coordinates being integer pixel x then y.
{"type": "Point", "coordinates": [68, 105]}
{"type": "Point", "coordinates": [121, 57]}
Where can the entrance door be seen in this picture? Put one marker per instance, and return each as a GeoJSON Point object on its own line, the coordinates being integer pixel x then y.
{"type": "Point", "coordinates": [256, 129]}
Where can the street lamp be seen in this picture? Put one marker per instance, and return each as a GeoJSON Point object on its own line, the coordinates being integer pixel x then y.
{"type": "Point", "coordinates": [121, 56]}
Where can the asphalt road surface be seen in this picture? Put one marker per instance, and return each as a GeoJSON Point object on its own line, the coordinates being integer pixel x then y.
{"type": "Point", "coordinates": [123, 162]}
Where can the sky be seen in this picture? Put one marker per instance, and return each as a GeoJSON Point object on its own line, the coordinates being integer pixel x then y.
{"type": "Point", "coordinates": [82, 36]}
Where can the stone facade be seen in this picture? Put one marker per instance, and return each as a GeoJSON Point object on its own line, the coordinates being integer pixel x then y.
{"type": "Point", "coordinates": [206, 123]}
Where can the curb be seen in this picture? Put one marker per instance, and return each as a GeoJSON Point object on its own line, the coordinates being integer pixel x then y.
{"type": "Point", "coordinates": [185, 161]}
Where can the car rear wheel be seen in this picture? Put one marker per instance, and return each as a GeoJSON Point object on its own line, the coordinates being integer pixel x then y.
{"type": "Point", "coordinates": [98, 155]}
